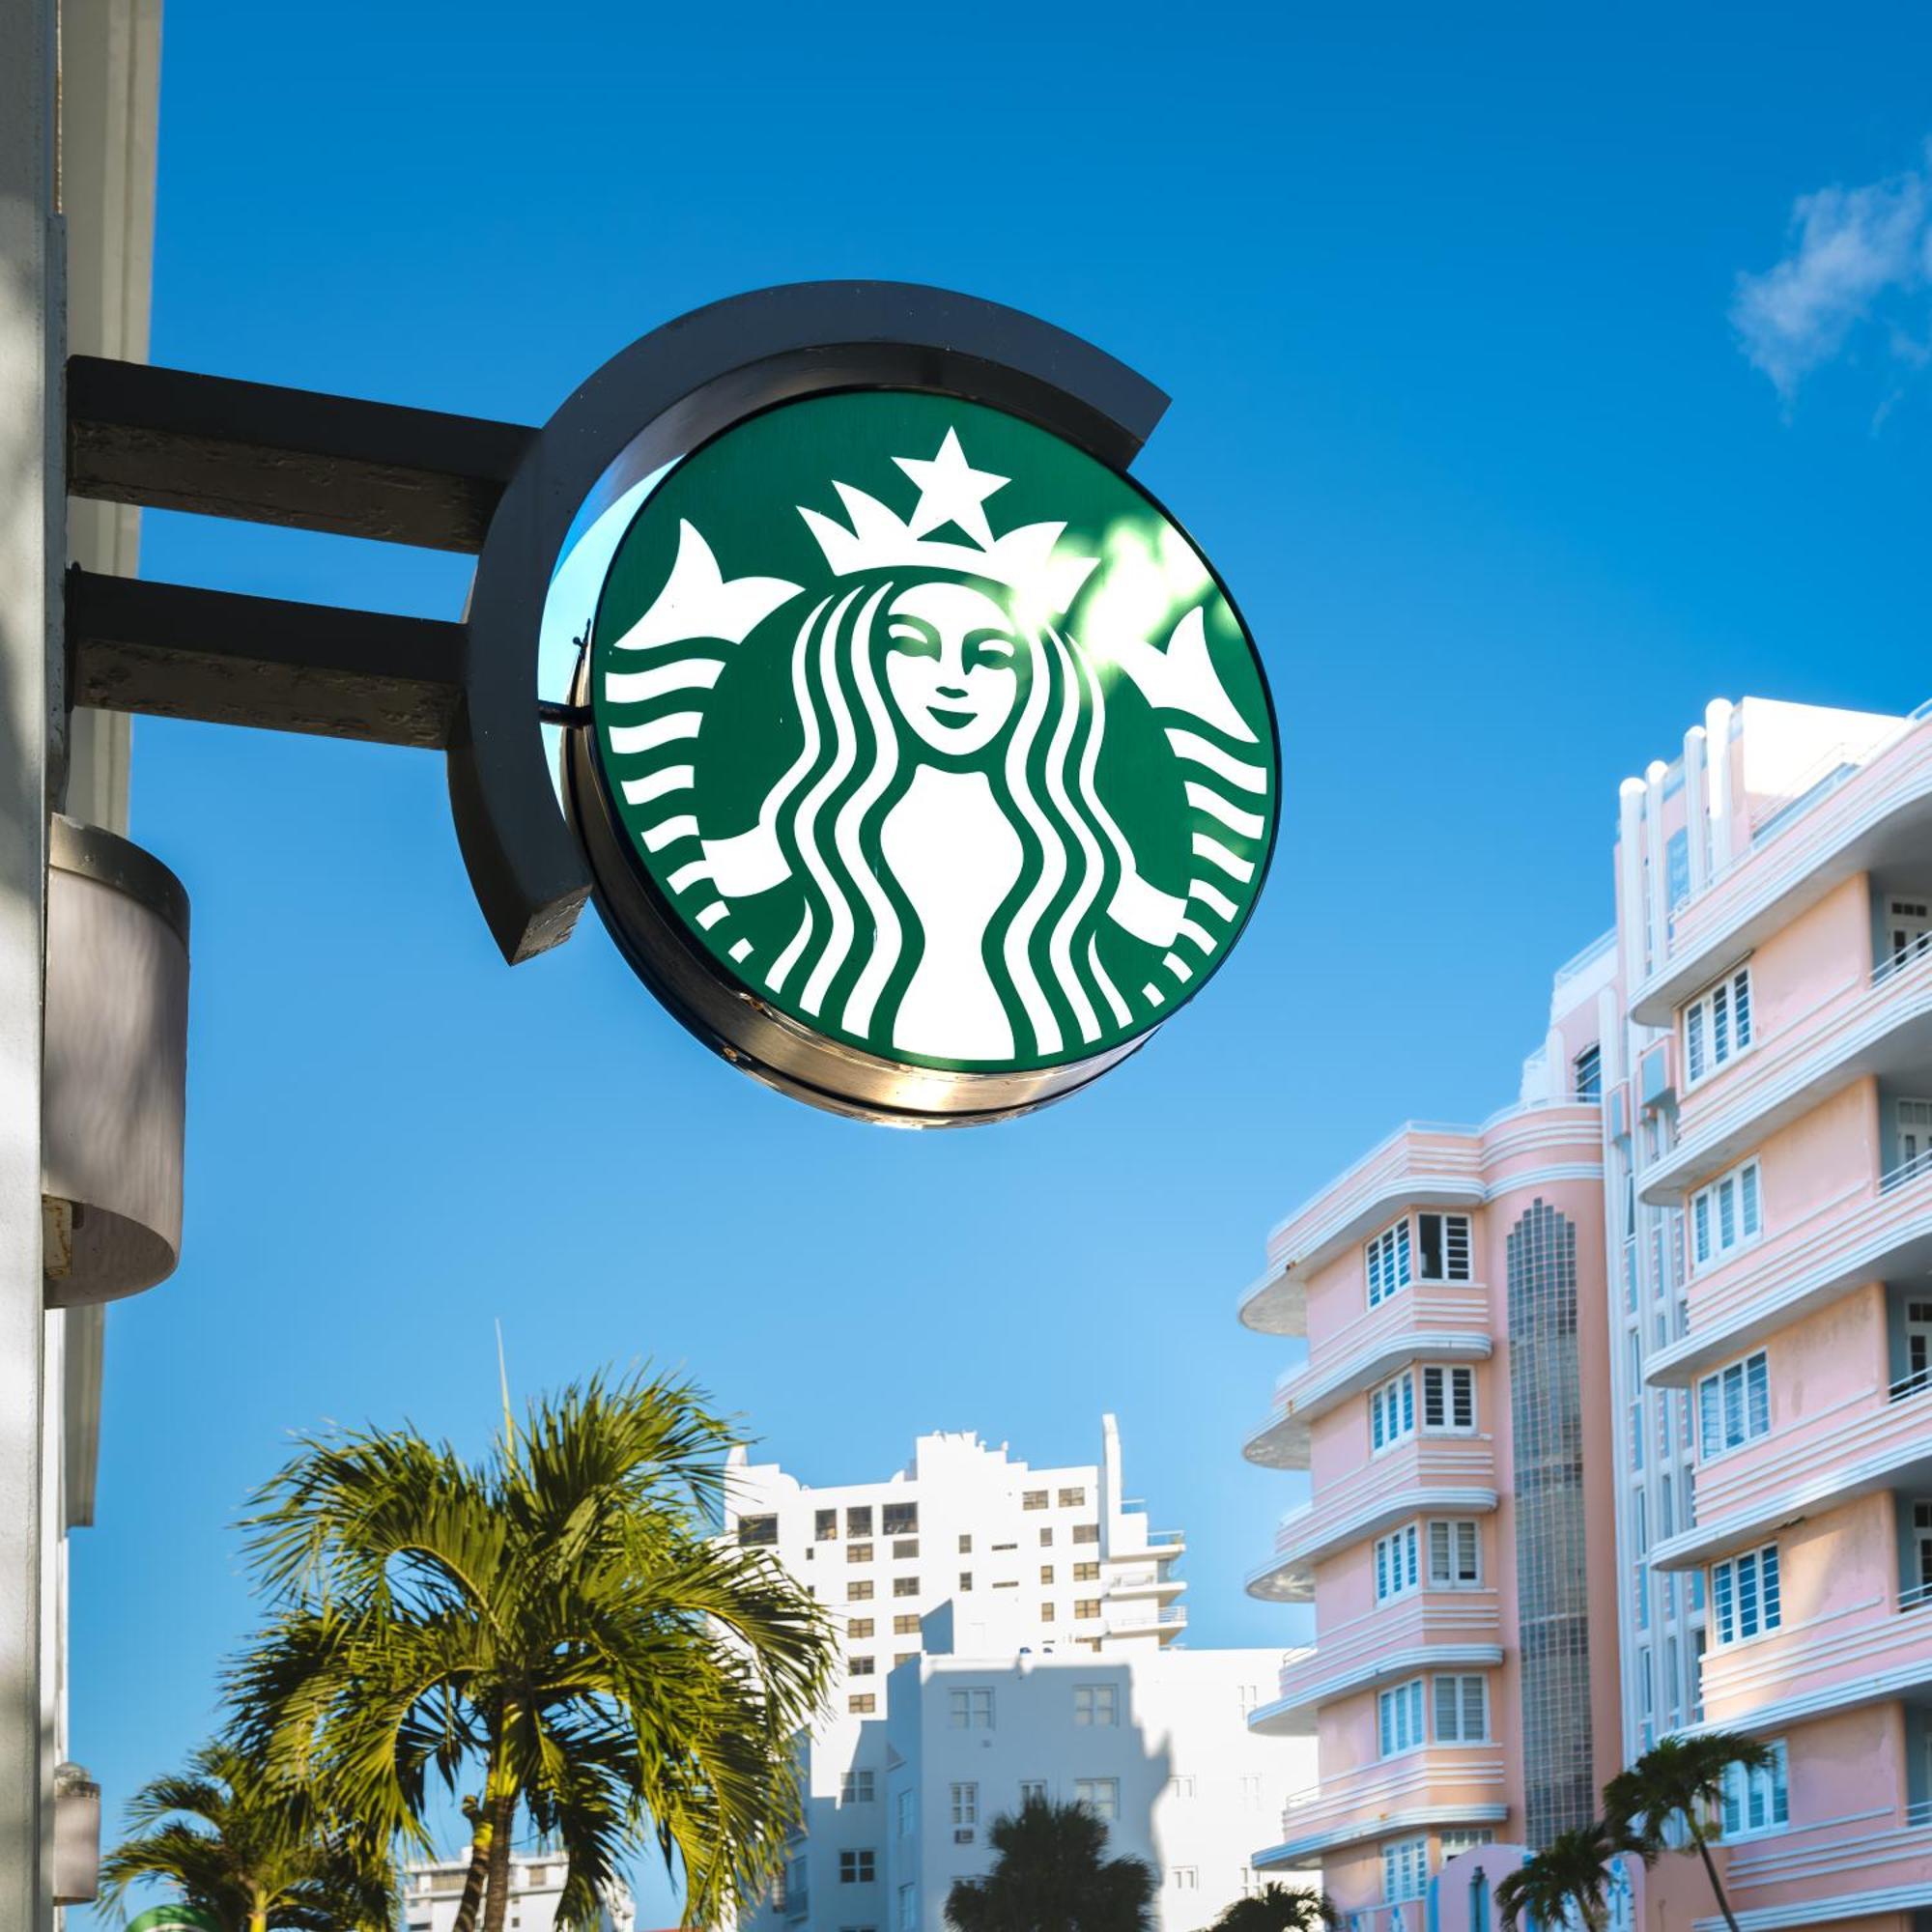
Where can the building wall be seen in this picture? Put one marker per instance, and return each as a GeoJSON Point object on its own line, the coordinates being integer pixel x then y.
{"type": "Point", "coordinates": [433, 1890]}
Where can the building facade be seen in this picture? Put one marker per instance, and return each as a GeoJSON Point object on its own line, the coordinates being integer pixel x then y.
{"type": "Point", "coordinates": [433, 1890]}
{"type": "Point", "coordinates": [973, 1557]}
{"type": "Point", "coordinates": [1658, 1337]}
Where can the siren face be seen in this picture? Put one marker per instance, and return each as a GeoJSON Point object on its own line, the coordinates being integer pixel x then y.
{"type": "Point", "coordinates": [929, 768]}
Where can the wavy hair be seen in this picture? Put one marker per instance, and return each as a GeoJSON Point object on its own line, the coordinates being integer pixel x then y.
{"type": "Point", "coordinates": [856, 946]}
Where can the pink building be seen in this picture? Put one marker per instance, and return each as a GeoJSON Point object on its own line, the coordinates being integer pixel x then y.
{"type": "Point", "coordinates": [1617, 1411]}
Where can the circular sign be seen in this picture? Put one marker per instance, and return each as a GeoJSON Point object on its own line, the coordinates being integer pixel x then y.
{"type": "Point", "coordinates": [926, 765]}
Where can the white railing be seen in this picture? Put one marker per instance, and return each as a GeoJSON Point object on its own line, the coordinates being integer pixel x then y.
{"type": "Point", "coordinates": [1583, 961]}
{"type": "Point", "coordinates": [1897, 962]}
{"type": "Point", "coordinates": [1915, 1599]}
{"type": "Point", "coordinates": [1913, 1169]}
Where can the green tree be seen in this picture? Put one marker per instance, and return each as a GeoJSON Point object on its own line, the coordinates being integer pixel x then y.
{"type": "Point", "coordinates": [250, 1852]}
{"type": "Point", "coordinates": [559, 1621]}
{"type": "Point", "coordinates": [1051, 1873]}
{"type": "Point", "coordinates": [1280, 1908]}
{"type": "Point", "coordinates": [1567, 1876]}
{"type": "Point", "coordinates": [1680, 1779]}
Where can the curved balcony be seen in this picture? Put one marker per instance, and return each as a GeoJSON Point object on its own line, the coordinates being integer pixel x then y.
{"type": "Point", "coordinates": [1826, 1873]}
{"type": "Point", "coordinates": [1882, 1027]}
{"type": "Point", "coordinates": [1426, 1320]}
{"type": "Point", "coordinates": [1880, 814]}
{"type": "Point", "coordinates": [1879, 1442]}
{"type": "Point", "coordinates": [1439, 1784]}
{"type": "Point", "coordinates": [1428, 1475]}
{"type": "Point", "coordinates": [1841, 1245]}
{"type": "Point", "coordinates": [1438, 1629]}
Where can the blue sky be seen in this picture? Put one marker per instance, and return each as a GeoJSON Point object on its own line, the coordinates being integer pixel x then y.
{"type": "Point", "coordinates": [1508, 470]}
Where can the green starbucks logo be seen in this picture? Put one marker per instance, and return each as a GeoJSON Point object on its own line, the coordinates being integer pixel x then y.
{"type": "Point", "coordinates": [935, 735]}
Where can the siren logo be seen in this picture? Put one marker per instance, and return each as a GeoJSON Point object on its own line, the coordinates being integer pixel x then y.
{"type": "Point", "coordinates": [935, 733]}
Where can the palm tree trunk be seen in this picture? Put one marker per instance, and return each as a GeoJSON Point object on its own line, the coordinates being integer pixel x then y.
{"type": "Point", "coordinates": [1723, 1903]}
{"type": "Point", "coordinates": [501, 1800]}
{"type": "Point", "coordinates": [472, 1900]}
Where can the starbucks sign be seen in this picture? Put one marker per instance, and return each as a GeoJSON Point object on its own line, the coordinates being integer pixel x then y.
{"type": "Point", "coordinates": [925, 764]}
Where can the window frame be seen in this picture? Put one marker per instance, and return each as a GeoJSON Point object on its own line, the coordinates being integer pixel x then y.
{"type": "Point", "coordinates": [1742, 1787]}
{"type": "Point", "coordinates": [1406, 1857]}
{"type": "Point", "coordinates": [1462, 1682]}
{"type": "Point", "coordinates": [1091, 1701]}
{"type": "Point", "coordinates": [1452, 1528]}
{"type": "Point", "coordinates": [1457, 1229]}
{"type": "Point", "coordinates": [1401, 1720]}
{"type": "Point", "coordinates": [1714, 1406]}
{"type": "Point", "coordinates": [975, 1702]}
{"type": "Point", "coordinates": [1392, 1412]}
{"type": "Point", "coordinates": [1718, 1026]}
{"type": "Point", "coordinates": [1449, 1378]}
{"type": "Point", "coordinates": [1735, 1196]}
{"type": "Point", "coordinates": [1385, 1254]}
{"type": "Point", "coordinates": [1755, 1575]}
{"type": "Point", "coordinates": [1393, 1542]}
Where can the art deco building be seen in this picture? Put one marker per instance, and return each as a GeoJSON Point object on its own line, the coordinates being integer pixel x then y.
{"type": "Point", "coordinates": [1617, 1411]}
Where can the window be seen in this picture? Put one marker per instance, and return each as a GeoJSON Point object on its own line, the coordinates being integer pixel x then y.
{"type": "Point", "coordinates": [1085, 1532]}
{"type": "Point", "coordinates": [858, 1867]}
{"type": "Point", "coordinates": [905, 1586]}
{"type": "Point", "coordinates": [1718, 1026]}
{"type": "Point", "coordinates": [1399, 1718]}
{"type": "Point", "coordinates": [1444, 1243]}
{"type": "Point", "coordinates": [1734, 1405]}
{"type": "Point", "coordinates": [1466, 1839]}
{"type": "Point", "coordinates": [861, 1704]}
{"type": "Point", "coordinates": [1395, 1563]}
{"type": "Point", "coordinates": [1392, 1412]}
{"type": "Point", "coordinates": [856, 1787]}
{"type": "Point", "coordinates": [1086, 1572]}
{"type": "Point", "coordinates": [858, 1521]}
{"type": "Point", "coordinates": [1048, 1613]}
{"type": "Point", "coordinates": [1180, 1786]}
{"type": "Point", "coordinates": [1756, 1800]}
{"type": "Point", "coordinates": [971, 1709]}
{"type": "Point", "coordinates": [1033, 1499]}
{"type": "Point", "coordinates": [1086, 1607]}
{"type": "Point", "coordinates": [1676, 867]}
{"type": "Point", "coordinates": [1455, 1555]}
{"type": "Point", "coordinates": [965, 1806]}
{"type": "Point", "coordinates": [858, 1627]}
{"type": "Point", "coordinates": [1046, 1573]}
{"type": "Point", "coordinates": [906, 1806]}
{"type": "Point", "coordinates": [860, 1592]}
{"type": "Point", "coordinates": [1405, 1870]}
{"type": "Point", "coordinates": [756, 1530]}
{"type": "Point", "coordinates": [858, 1553]}
{"type": "Point", "coordinates": [1101, 1796]}
{"type": "Point", "coordinates": [965, 1580]}
{"type": "Point", "coordinates": [1072, 1499]}
{"type": "Point", "coordinates": [908, 1908]}
{"type": "Point", "coordinates": [1745, 1598]}
{"type": "Point", "coordinates": [1096, 1704]}
{"type": "Point", "coordinates": [1448, 1397]}
{"type": "Point", "coordinates": [864, 1666]}
{"type": "Point", "coordinates": [825, 1526]}
{"type": "Point", "coordinates": [905, 1547]}
{"type": "Point", "coordinates": [900, 1520]}
{"type": "Point", "coordinates": [905, 1625]}
{"type": "Point", "coordinates": [1251, 1790]}
{"type": "Point", "coordinates": [966, 1545]}
{"type": "Point", "coordinates": [1032, 1790]}
{"type": "Point", "coordinates": [1187, 1878]}
{"type": "Point", "coordinates": [1586, 1074]}
{"type": "Point", "coordinates": [1462, 1708]}
{"type": "Point", "coordinates": [904, 1657]}
{"type": "Point", "coordinates": [1725, 1216]}
{"type": "Point", "coordinates": [1388, 1262]}
{"type": "Point", "coordinates": [1045, 1539]}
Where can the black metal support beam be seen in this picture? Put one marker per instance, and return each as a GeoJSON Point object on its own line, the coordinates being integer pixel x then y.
{"type": "Point", "coordinates": [170, 651]}
{"type": "Point", "coordinates": [268, 455]}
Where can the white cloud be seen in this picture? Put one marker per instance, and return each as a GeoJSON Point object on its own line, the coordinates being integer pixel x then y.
{"type": "Point", "coordinates": [1854, 251]}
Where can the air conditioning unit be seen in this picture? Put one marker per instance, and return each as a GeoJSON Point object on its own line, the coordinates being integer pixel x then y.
{"type": "Point", "coordinates": [963, 1836]}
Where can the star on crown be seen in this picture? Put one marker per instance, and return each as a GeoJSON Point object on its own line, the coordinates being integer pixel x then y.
{"type": "Point", "coordinates": [951, 491]}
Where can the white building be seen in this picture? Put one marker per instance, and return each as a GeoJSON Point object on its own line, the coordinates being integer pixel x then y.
{"type": "Point", "coordinates": [433, 1890]}
{"type": "Point", "coordinates": [970, 1560]}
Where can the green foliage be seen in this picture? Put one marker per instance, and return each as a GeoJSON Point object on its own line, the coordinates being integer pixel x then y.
{"type": "Point", "coordinates": [250, 1851]}
{"type": "Point", "coordinates": [1280, 1908]}
{"type": "Point", "coordinates": [1569, 1875]}
{"type": "Point", "coordinates": [558, 1618]}
{"type": "Point", "coordinates": [1051, 1873]}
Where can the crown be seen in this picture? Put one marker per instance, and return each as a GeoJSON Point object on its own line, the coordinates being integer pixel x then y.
{"type": "Point", "coordinates": [1024, 559]}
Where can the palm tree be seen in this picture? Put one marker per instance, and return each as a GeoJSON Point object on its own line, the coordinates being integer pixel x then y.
{"type": "Point", "coordinates": [1567, 1876]}
{"type": "Point", "coordinates": [1280, 1908]}
{"type": "Point", "coordinates": [249, 1852]}
{"type": "Point", "coordinates": [1679, 1779]}
{"type": "Point", "coordinates": [1051, 1873]}
{"type": "Point", "coordinates": [560, 1620]}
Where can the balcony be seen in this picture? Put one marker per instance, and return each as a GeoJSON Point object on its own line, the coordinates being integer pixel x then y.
{"type": "Point", "coordinates": [1437, 1630]}
{"type": "Point", "coordinates": [1443, 1323]}
{"type": "Point", "coordinates": [1168, 1624]}
{"type": "Point", "coordinates": [1144, 1579]}
{"type": "Point", "coordinates": [1872, 1867]}
{"type": "Point", "coordinates": [1881, 1027]}
{"type": "Point", "coordinates": [1880, 1441]}
{"type": "Point", "coordinates": [1871, 1235]}
{"type": "Point", "coordinates": [1438, 1785]}
{"type": "Point", "coordinates": [1428, 1474]}
{"type": "Point", "coordinates": [1879, 814]}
